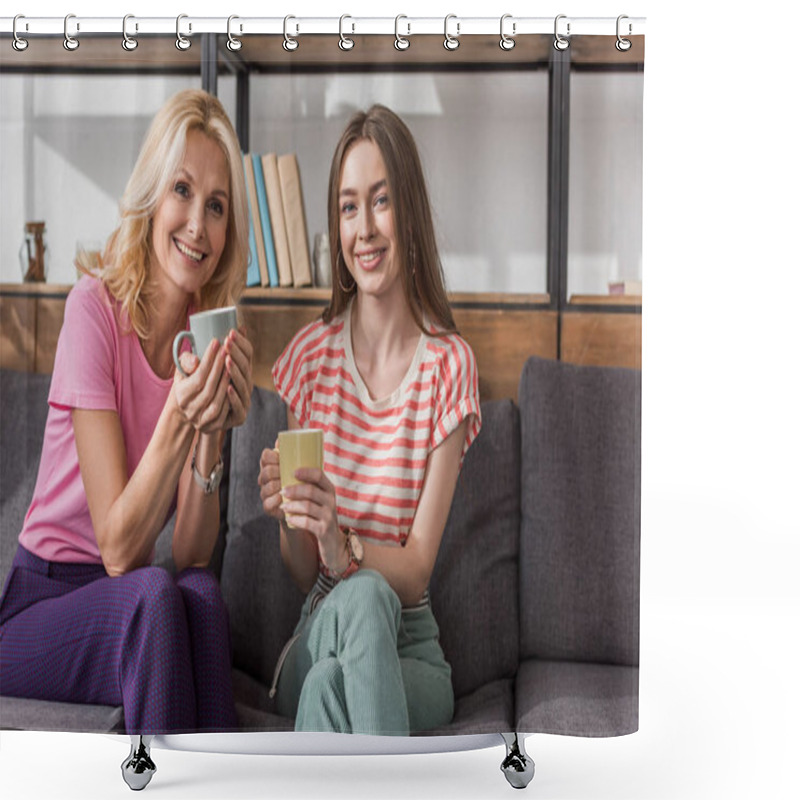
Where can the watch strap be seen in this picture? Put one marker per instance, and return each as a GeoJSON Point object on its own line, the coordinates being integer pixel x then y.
{"type": "Point", "coordinates": [355, 562]}
{"type": "Point", "coordinates": [210, 484]}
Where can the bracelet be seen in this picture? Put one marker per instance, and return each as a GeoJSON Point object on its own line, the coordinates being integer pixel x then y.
{"type": "Point", "coordinates": [356, 551]}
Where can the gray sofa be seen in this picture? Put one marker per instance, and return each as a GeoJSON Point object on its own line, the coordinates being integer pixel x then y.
{"type": "Point", "coordinates": [536, 588]}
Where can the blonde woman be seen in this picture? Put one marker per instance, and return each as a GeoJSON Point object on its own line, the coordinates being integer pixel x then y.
{"type": "Point", "coordinates": [129, 440]}
{"type": "Point", "coordinates": [395, 390]}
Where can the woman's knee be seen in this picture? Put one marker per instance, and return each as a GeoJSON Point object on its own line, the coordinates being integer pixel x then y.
{"type": "Point", "coordinates": [325, 675]}
{"type": "Point", "coordinates": [322, 704]}
{"type": "Point", "coordinates": [155, 594]}
{"type": "Point", "coordinates": [199, 583]}
{"type": "Point", "coordinates": [367, 590]}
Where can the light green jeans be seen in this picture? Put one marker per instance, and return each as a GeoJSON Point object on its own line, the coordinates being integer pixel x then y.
{"type": "Point", "coordinates": [361, 664]}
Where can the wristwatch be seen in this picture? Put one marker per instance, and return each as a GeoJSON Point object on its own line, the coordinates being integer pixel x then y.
{"type": "Point", "coordinates": [356, 550]}
{"type": "Point", "coordinates": [210, 484]}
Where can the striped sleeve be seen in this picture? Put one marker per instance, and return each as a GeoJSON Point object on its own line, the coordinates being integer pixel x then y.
{"type": "Point", "coordinates": [457, 392]}
{"type": "Point", "coordinates": [292, 373]}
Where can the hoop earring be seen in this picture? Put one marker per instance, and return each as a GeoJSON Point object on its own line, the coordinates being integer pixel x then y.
{"type": "Point", "coordinates": [339, 271]}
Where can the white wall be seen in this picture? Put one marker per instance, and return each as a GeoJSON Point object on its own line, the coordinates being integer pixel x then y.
{"type": "Point", "coordinates": [67, 147]}
{"type": "Point", "coordinates": [605, 180]}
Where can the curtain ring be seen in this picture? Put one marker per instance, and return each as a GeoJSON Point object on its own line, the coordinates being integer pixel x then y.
{"type": "Point", "coordinates": [623, 45]}
{"type": "Point", "coordinates": [70, 42]}
{"type": "Point", "coordinates": [344, 42]}
{"type": "Point", "coordinates": [400, 42]}
{"type": "Point", "coordinates": [560, 43]}
{"type": "Point", "coordinates": [451, 42]}
{"type": "Point", "coordinates": [289, 43]}
{"type": "Point", "coordinates": [507, 42]}
{"type": "Point", "coordinates": [233, 44]}
{"type": "Point", "coordinates": [18, 43]}
{"type": "Point", "coordinates": [181, 42]}
{"type": "Point", "coordinates": [128, 42]}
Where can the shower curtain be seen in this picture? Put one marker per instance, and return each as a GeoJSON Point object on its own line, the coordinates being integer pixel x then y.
{"type": "Point", "coordinates": [531, 146]}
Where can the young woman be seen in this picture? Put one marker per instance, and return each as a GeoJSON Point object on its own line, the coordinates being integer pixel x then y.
{"type": "Point", "coordinates": [128, 440]}
{"type": "Point", "coordinates": [395, 390]}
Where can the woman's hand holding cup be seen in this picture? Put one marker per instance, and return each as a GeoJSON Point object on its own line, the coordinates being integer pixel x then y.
{"type": "Point", "coordinates": [200, 388]}
{"type": "Point", "coordinates": [239, 367]}
{"type": "Point", "coordinates": [269, 483]}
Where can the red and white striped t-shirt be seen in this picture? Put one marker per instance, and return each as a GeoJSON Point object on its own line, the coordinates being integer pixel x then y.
{"type": "Point", "coordinates": [376, 451]}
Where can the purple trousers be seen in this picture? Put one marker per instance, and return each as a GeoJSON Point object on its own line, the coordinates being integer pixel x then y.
{"type": "Point", "coordinates": [156, 644]}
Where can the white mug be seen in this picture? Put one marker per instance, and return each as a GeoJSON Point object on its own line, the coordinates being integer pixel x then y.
{"type": "Point", "coordinates": [203, 327]}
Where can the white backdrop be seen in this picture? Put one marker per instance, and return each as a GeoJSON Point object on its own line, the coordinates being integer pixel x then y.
{"type": "Point", "coordinates": [719, 699]}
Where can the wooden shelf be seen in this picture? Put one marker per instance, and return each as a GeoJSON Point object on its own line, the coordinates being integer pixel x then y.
{"type": "Point", "coordinates": [605, 300]}
{"type": "Point", "coordinates": [321, 296]}
{"type": "Point", "coordinates": [35, 289]}
{"type": "Point", "coordinates": [101, 53]}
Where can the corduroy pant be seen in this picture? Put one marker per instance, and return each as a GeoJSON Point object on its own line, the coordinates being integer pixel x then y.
{"type": "Point", "coordinates": [156, 644]}
{"type": "Point", "coordinates": [361, 664]}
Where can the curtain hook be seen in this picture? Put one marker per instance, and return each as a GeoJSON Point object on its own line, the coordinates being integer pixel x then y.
{"type": "Point", "coordinates": [623, 45]}
{"type": "Point", "coordinates": [560, 42]}
{"type": "Point", "coordinates": [18, 43]}
{"type": "Point", "coordinates": [400, 42]}
{"type": "Point", "coordinates": [70, 42]}
{"type": "Point", "coordinates": [181, 42]}
{"type": "Point", "coordinates": [451, 42]}
{"type": "Point", "coordinates": [344, 42]}
{"type": "Point", "coordinates": [507, 42]}
{"type": "Point", "coordinates": [233, 44]}
{"type": "Point", "coordinates": [289, 43]}
{"type": "Point", "coordinates": [128, 42]}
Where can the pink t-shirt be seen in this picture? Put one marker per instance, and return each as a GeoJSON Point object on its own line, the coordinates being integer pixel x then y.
{"type": "Point", "coordinates": [99, 365]}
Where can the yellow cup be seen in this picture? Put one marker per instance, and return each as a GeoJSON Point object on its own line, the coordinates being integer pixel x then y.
{"type": "Point", "coordinates": [299, 448]}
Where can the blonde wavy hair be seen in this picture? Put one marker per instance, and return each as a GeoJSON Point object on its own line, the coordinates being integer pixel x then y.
{"type": "Point", "coordinates": [125, 261]}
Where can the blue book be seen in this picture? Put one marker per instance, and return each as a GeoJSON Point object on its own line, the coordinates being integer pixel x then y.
{"type": "Point", "coordinates": [253, 275]}
{"type": "Point", "coordinates": [266, 227]}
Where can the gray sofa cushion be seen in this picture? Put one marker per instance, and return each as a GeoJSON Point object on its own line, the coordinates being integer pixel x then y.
{"type": "Point", "coordinates": [577, 699]}
{"type": "Point", "coordinates": [23, 400]}
{"type": "Point", "coordinates": [579, 548]}
{"type": "Point", "coordinates": [22, 714]}
{"type": "Point", "coordinates": [262, 600]}
{"type": "Point", "coordinates": [475, 581]}
{"type": "Point", "coordinates": [489, 709]}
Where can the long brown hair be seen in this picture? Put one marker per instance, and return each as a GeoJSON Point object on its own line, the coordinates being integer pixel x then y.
{"type": "Point", "coordinates": [422, 275]}
{"type": "Point", "coordinates": [125, 260]}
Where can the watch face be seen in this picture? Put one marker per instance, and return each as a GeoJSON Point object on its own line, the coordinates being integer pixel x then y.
{"type": "Point", "coordinates": [216, 477]}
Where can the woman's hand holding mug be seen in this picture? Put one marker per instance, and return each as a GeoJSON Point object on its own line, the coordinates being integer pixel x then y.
{"type": "Point", "coordinates": [214, 393]}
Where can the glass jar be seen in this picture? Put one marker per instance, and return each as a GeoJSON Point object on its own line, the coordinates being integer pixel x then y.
{"type": "Point", "coordinates": [33, 253]}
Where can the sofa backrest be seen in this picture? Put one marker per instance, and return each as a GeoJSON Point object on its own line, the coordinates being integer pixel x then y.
{"type": "Point", "coordinates": [579, 545]}
{"type": "Point", "coordinates": [263, 601]}
{"type": "Point", "coordinates": [474, 586]}
{"type": "Point", "coordinates": [23, 412]}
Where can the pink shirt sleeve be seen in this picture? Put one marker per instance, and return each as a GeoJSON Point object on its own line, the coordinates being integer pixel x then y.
{"type": "Point", "coordinates": [83, 374]}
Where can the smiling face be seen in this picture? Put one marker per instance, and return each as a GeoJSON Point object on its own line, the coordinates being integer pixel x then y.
{"type": "Point", "coordinates": [190, 224]}
{"type": "Point", "coordinates": [366, 222]}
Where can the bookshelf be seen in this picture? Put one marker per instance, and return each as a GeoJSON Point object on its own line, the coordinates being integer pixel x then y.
{"type": "Point", "coordinates": [503, 328]}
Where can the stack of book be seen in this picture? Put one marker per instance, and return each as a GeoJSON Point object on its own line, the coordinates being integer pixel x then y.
{"type": "Point", "coordinates": [279, 252]}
